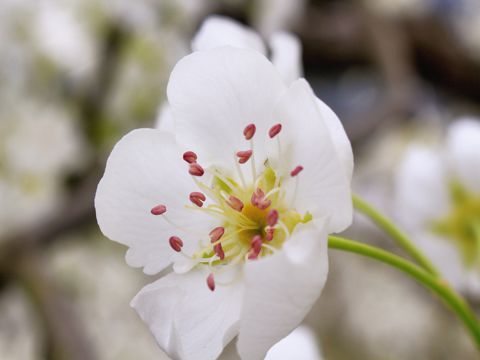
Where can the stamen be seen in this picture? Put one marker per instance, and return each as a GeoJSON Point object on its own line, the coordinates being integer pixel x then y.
{"type": "Point", "coordinates": [244, 156]}
{"type": "Point", "coordinates": [190, 157]}
{"type": "Point", "coordinates": [272, 218]}
{"type": "Point", "coordinates": [249, 131]}
{"type": "Point", "coordinates": [269, 234]}
{"type": "Point", "coordinates": [296, 171]}
{"type": "Point", "coordinates": [219, 251]}
{"type": "Point", "coordinates": [176, 243]}
{"type": "Point", "coordinates": [216, 233]}
{"type": "Point", "coordinates": [195, 170]}
{"type": "Point", "coordinates": [274, 130]}
{"type": "Point", "coordinates": [197, 198]}
{"type": "Point", "coordinates": [256, 247]}
{"type": "Point", "coordinates": [240, 173]}
{"type": "Point", "coordinates": [211, 282]}
{"type": "Point", "coordinates": [235, 203]}
{"type": "Point", "coordinates": [258, 199]}
{"type": "Point", "coordinates": [159, 209]}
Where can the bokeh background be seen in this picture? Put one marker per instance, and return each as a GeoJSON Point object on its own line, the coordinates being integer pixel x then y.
{"type": "Point", "coordinates": [75, 75]}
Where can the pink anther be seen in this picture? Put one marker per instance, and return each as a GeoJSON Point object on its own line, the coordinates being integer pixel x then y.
{"type": "Point", "coordinates": [216, 233]}
{"type": "Point", "coordinates": [219, 251]}
{"type": "Point", "coordinates": [159, 209]}
{"type": "Point", "coordinates": [190, 157]}
{"type": "Point", "coordinates": [197, 198]}
{"type": "Point", "coordinates": [269, 234]}
{"type": "Point", "coordinates": [274, 130]}
{"type": "Point", "coordinates": [244, 156]}
{"type": "Point", "coordinates": [195, 170]}
{"type": "Point", "coordinates": [176, 243]}
{"type": "Point", "coordinates": [211, 282]}
{"type": "Point", "coordinates": [258, 199]}
{"type": "Point", "coordinates": [296, 171]}
{"type": "Point", "coordinates": [235, 203]}
{"type": "Point", "coordinates": [272, 218]}
{"type": "Point", "coordinates": [256, 248]}
{"type": "Point", "coordinates": [249, 131]}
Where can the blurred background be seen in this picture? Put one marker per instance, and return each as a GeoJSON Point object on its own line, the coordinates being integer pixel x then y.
{"type": "Point", "coordinates": [76, 75]}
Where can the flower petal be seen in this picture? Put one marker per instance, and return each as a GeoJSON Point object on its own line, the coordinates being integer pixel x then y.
{"type": "Point", "coordinates": [287, 56]}
{"type": "Point", "coordinates": [164, 119]}
{"type": "Point", "coordinates": [323, 187]}
{"type": "Point", "coordinates": [214, 94]}
{"type": "Point", "coordinates": [219, 31]}
{"type": "Point", "coordinates": [281, 289]}
{"type": "Point", "coordinates": [421, 188]}
{"type": "Point", "coordinates": [463, 141]}
{"type": "Point", "coordinates": [339, 137]}
{"type": "Point", "coordinates": [300, 344]}
{"type": "Point", "coordinates": [187, 319]}
{"type": "Point", "coordinates": [144, 169]}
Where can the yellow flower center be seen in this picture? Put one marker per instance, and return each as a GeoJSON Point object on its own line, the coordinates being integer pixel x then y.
{"type": "Point", "coordinates": [462, 224]}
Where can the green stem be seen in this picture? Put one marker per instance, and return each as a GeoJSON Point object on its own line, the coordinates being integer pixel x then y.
{"type": "Point", "coordinates": [398, 235]}
{"type": "Point", "coordinates": [436, 285]}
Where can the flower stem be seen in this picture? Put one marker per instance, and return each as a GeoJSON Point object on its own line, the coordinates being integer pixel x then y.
{"type": "Point", "coordinates": [398, 235]}
{"type": "Point", "coordinates": [439, 287]}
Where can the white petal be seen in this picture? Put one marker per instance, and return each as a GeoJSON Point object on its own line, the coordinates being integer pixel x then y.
{"type": "Point", "coordinates": [300, 344]}
{"type": "Point", "coordinates": [339, 137]}
{"type": "Point", "coordinates": [219, 31]}
{"type": "Point", "coordinates": [464, 149]}
{"type": "Point", "coordinates": [187, 319]}
{"type": "Point", "coordinates": [287, 56]}
{"type": "Point", "coordinates": [165, 120]}
{"type": "Point", "coordinates": [281, 289]}
{"type": "Point", "coordinates": [421, 188]}
{"type": "Point", "coordinates": [323, 187]}
{"type": "Point", "coordinates": [214, 94]}
{"type": "Point", "coordinates": [145, 169]}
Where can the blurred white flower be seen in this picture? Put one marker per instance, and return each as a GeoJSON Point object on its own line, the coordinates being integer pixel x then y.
{"type": "Point", "coordinates": [286, 49]}
{"type": "Point", "coordinates": [39, 146]}
{"type": "Point", "coordinates": [60, 36]}
{"type": "Point", "coordinates": [438, 199]}
{"type": "Point", "coordinates": [269, 178]}
{"type": "Point", "coordinates": [19, 338]}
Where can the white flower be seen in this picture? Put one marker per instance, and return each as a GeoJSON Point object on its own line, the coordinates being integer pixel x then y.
{"type": "Point", "coordinates": [300, 344]}
{"type": "Point", "coordinates": [438, 199]}
{"type": "Point", "coordinates": [267, 178]}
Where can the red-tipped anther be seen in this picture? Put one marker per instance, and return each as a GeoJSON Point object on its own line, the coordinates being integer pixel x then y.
{"type": "Point", "coordinates": [272, 218]}
{"type": "Point", "coordinates": [235, 203]}
{"type": "Point", "coordinates": [159, 209]}
{"type": "Point", "coordinates": [249, 131]}
{"type": "Point", "coordinates": [176, 243]}
{"type": "Point", "coordinates": [258, 199]}
{"type": "Point", "coordinates": [244, 156]}
{"type": "Point", "coordinates": [197, 198]}
{"type": "Point", "coordinates": [211, 282]}
{"type": "Point", "coordinates": [195, 170]}
{"type": "Point", "coordinates": [216, 233]}
{"type": "Point", "coordinates": [296, 171]}
{"type": "Point", "coordinates": [269, 234]}
{"type": "Point", "coordinates": [219, 251]}
{"type": "Point", "coordinates": [190, 157]}
{"type": "Point", "coordinates": [256, 247]}
{"type": "Point", "coordinates": [274, 130]}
